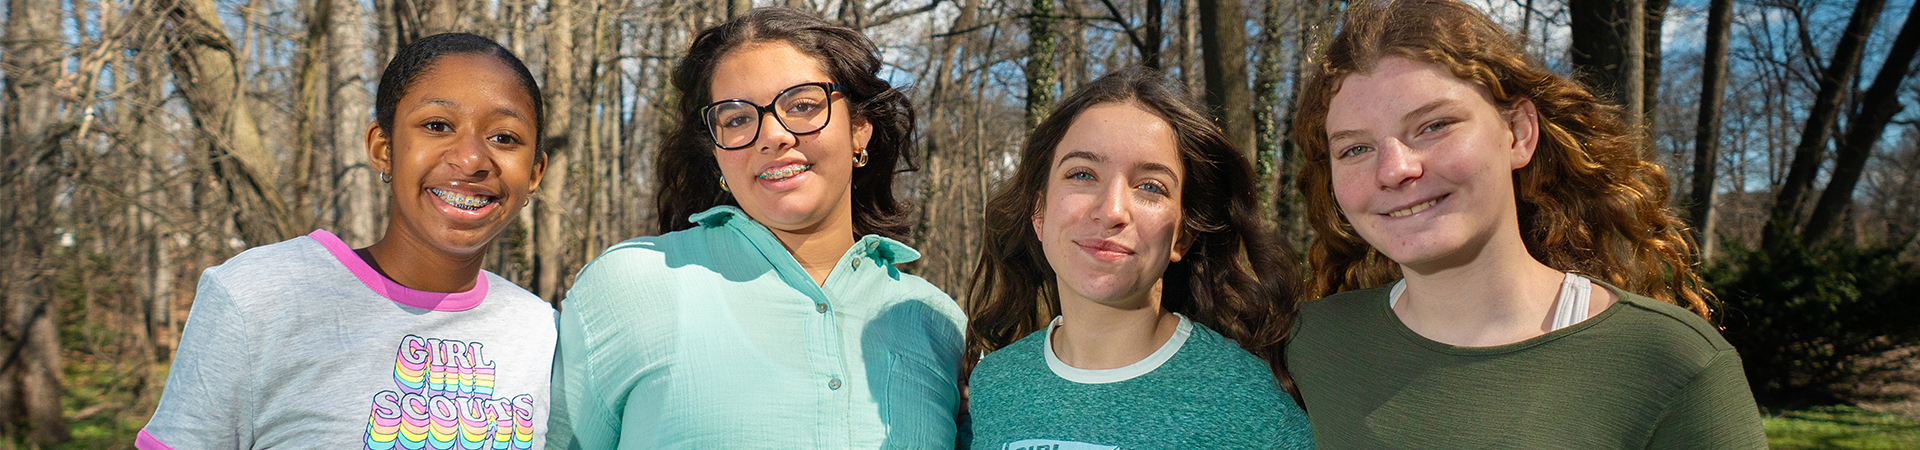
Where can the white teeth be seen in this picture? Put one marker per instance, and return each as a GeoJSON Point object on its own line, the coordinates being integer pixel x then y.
{"type": "Point", "coordinates": [462, 201]}
{"type": "Point", "coordinates": [1414, 209]}
{"type": "Point", "coordinates": [785, 172]}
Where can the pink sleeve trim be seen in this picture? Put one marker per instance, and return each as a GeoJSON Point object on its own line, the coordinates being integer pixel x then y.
{"type": "Point", "coordinates": [148, 442]}
{"type": "Point", "coordinates": [437, 301]}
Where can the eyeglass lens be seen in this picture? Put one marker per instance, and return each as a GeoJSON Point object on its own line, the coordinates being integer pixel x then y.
{"type": "Point", "coordinates": [801, 109]}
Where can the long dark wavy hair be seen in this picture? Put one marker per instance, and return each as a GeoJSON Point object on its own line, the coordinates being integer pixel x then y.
{"type": "Point", "coordinates": [1588, 202]}
{"type": "Point", "coordinates": [687, 173]}
{"type": "Point", "coordinates": [1236, 278]}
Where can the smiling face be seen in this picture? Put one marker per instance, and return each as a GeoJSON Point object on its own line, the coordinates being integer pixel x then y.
{"type": "Point", "coordinates": [791, 183]}
{"type": "Point", "coordinates": [1110, 221]}
{"type": "Point", "coordinates": [461, 153]}
{"type": "Point", "coordinates": [1422, 163]}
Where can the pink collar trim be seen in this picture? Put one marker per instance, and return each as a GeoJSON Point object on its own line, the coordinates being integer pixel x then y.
{"type": "Point", "coordinates": [437, 301]}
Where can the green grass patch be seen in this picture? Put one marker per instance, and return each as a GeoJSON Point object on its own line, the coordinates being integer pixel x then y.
{"type": "Point", "coordinates": [1842, 427]}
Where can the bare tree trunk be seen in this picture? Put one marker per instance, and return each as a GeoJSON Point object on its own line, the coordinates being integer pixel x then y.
{"type": "Point", "coordinates": [349, 73]}
{"type": "Point", "coordinates": [1706, 144]}
{"type": "Point", "coordinates": [1223, 42]}
{"type": "Point", "coordinates": [1266, 90]}
{"type": "Point", "coordinates": [1608, 49]}
{"type": "Point", "coordinates": [30, 365]}
{"type": "Point", "coordinates": [1150, 55]}
{"type": "Point", "coordinates": [553, 203]}
{"type": "Point", "coordinates": [1808, 155]}
{"type": "Point", "coordinates": [1183, 51]}
{"type": "Point", "coordinates": [1040, 54]}
{"type": "Point", "coordinates": [1656, 16]}
{"type": "Point", "coordinates": [310, 113]}
{"type": "Point", "coordinates": [1882, 101]}
{"type": "Point", "coordinates": [206, 73]}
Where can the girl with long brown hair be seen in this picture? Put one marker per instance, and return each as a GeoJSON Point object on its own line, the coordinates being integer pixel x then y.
{"type": "Point", "coordinates": [1499, 194]}
{"type": "Point", "coordinates": [771, 315]}
{"type": "Point", "coordinates": [1130, 295]}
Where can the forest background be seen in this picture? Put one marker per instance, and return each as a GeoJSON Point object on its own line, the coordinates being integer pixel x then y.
{"type": "Point", "coordinates": [142, 141]}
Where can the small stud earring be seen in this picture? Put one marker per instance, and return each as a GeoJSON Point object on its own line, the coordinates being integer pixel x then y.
{"type": "Point", "coordinates": [723, 184]}
{"type": "Point", "coordinates": [860, 159]}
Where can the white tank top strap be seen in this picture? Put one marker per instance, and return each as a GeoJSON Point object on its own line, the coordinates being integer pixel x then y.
{"type": "Point", "coordinates": [1573, 305]}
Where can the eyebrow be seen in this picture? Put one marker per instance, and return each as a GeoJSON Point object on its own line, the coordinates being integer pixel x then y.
{"type": "Point", "coordinates": [1416, 112]}
{"type": "Point", "coordinates": [1099, 158]}
{"type": "Point", "coordinates": [441, 102]}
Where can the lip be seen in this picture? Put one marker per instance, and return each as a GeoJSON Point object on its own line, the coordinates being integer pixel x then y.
{"type": "Point", "coordinates": [1435, 200]}
{"type": "Point", "coordinates": [801, 167]}
{"type": "Point", "coordinates": [1104, 250]}
{"type": "Point", "coordinates": [468, 190]}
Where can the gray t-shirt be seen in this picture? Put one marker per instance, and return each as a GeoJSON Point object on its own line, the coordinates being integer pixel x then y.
{"type": "Point", "coordinates": [301, 344]}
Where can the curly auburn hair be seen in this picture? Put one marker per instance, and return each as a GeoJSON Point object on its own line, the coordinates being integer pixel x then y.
{"type": "Point", "coordinates": [1237, 278]}
{"type": "Point", "coordinates": [1589, 202]}
{"type": "Point", "coordinates": [685, 166]}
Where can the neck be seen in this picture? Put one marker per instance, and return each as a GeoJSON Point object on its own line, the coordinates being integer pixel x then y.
{"type": "Point", "coordinates": [421, 267]}
{"type": "Point", "coordinates": [1500, 296]}
{"type": "Point", "coordinates": [1098, 336]}
{"type": "Point", "coordinates": [819, 248]}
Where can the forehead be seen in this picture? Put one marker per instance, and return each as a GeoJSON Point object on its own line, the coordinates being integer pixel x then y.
{"type": "Point", "coordinates": [1123, 134]}
{"type": "Point", "coordinates": [758, 71]}
{"type": "Point", "coordinates": [470, 78]}
{"type": "Point", "coordinates": [1394, 87]}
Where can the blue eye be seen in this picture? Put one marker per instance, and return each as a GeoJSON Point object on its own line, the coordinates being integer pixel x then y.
{"type": "Point", "coordinates": [1152, 187]}
{"type": "Point", "coordinates": [1080, 175]}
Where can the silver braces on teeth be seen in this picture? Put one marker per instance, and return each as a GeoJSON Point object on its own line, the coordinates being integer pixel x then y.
{"type": "Point", "coordinates": [786, 172]}
{"type": "Point", "coordinates": [461, 201]}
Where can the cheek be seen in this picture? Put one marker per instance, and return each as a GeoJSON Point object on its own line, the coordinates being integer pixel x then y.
{"type": "Point", "coordinates": [1350, 189]}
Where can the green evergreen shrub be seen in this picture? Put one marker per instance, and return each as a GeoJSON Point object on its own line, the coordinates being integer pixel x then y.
{"type": "Point", "coordinates": [1819, 324]}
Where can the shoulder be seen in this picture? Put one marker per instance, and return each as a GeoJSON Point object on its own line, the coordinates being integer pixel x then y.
{"type": "Point", "coordinates": [1216, 357]}
{"type": "Point", "coordinates": [1344, 303]}
{"type": "Point", "coordinates": [273, 261]}
{"type": "Point", "coordinates": [1658, 324]}
{"type": "Point", "coordinates": [1023, 356]}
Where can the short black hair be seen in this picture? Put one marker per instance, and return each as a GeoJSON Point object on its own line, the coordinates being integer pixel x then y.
{"type": "Point", "coordinates": [416, 57]}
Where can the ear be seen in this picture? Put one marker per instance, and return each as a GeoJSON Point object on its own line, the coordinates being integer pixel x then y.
{"type": "Point", "coordinates": [1525, 125]}
{"type": "Point", "coordinates": [379, 149]}
{"type": "Point", "coordinates": [1039, 212]}
{"type": "Point", "coordinates": [1180, 245]}
{"type": "Point", "coordinates": [862, 131]}
{"type": "Point", "coordinates": [539, 169]}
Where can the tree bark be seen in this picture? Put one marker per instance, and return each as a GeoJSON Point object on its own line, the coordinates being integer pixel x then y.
{"type": "Point", "coordinates": [310, 113]}
{"type": "Point", "coordinates": [30, 362]}
{"type": "Point", "coordinates": [1882, 101]}
{"type": "Point", "coordinates": [1150, 54]}
{"type": "Point", "coordinates": [1040, 73]}
{"type": "Point", "coordinates": [1656, 16]}
{"type": "Point", "coordinates": [1608, 50]}
{"type": "Point", "coordinates": [1807, 156]}
{"type": "Point", "coordinates": [553, 203]}
{"type": "Point", "coordinates": [1266, 83]}
{"type": "Point", "coordinates": [1223, 42]}
{"type": "Point", "coordinates": [349, 77]}
{"type": "Point", "coordinates": [1706, 132]}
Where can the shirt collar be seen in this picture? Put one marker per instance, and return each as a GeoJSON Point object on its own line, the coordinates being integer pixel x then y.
{"type": "Point", "coordinates": [880, 248]}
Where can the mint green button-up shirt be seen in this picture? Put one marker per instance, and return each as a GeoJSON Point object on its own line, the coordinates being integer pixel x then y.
{"type": "Point", "coordinates": [715, 337]}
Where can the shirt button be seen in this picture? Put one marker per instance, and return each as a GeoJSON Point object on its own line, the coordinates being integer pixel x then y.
{"type": "Point", "coordinates": [856, 263]}
{"type": "Point", "coordinates": [833, 383]}
{"type": "Point", "coordinates": [820, 308]}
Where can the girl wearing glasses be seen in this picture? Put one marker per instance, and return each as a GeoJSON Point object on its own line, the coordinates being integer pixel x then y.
{"type": "Point", "coordinates": [1526, 234]}
{"type": "Point", "coordinates": [771, 316]}
{"type": "Point", "coordinates": [1130, 296]}
{"type": "Point", "coordinates": [311, 343]}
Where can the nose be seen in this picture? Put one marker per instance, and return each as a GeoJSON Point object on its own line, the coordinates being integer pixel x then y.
{"type": "Point", "coordinates": [773, 134]}
{"type": "Point", "coordinates": [1114, 208]}
{"type": "Point", "coordinates": [1397, 165]}
{"type": "Point", "coordinates": [469, 156]}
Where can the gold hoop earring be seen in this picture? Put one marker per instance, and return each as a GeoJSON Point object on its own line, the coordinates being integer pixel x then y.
{"type": "Point", "coordinates": [723, 184]}
{"type": "Point", "coordinates": [860, 159]}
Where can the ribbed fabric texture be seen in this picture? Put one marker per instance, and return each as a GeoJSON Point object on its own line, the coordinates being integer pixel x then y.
{"type": "Point", "coordinates": [715, 337]}
{"type": "Point", "coordinates": [1642, 374]}
{"type": "Point", "coordinates": [1210, 394]}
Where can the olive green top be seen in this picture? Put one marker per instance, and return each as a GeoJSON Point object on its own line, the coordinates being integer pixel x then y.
{"type": "Point", "coordinates": [1642, 374]}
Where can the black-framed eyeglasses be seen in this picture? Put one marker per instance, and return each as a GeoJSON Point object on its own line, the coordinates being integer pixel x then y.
{"type": "Point", "coordinates": [803, 109]}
